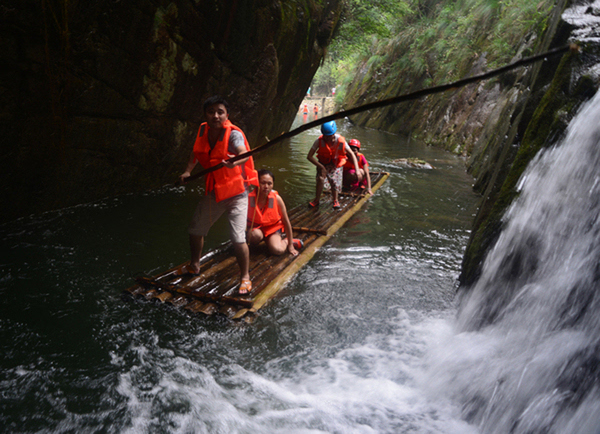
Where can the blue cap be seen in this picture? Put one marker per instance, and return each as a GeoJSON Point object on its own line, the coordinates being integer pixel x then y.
{"type": "Point", "coordinates": [329, 128]}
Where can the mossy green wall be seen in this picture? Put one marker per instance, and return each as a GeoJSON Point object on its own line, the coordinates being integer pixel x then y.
{"type": "Point", "coordinates": [498, 126]}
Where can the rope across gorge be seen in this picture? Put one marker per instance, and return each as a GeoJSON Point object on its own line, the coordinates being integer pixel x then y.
{"type": "Point", "coordinates": [395, 100]}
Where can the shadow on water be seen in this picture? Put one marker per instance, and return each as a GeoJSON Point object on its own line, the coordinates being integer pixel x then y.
{"type": "Point", "coordinates": [340, 350]}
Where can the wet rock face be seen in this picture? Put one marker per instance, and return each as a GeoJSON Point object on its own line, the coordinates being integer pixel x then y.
{"type": "Point", "coordinates": [101, 98]}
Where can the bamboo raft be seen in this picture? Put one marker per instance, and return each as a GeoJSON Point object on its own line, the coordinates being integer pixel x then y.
{"type": "Point", "coordinates": [215, 289]}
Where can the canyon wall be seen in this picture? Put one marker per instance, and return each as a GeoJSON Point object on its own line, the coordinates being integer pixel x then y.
{"type": "Point", "coordinates": [498, 125]}
{"type": "Point", "coordinates": [101, 98]}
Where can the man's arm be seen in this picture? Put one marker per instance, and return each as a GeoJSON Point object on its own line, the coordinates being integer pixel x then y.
{"type": "Point", "coordinates": [311, 157]}
{"type": "Point", "coordinates": [368, 176]}
{"type": "Point", "coordinates": [188, 170]}
{"type": "Point", "coordinates": [236, 146]}
{"type": "Point", "coordinates": [287, 226]}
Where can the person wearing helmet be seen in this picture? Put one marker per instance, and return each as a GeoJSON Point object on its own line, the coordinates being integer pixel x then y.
{"type": "Point", "coordinates": [332, 152]}
{"type": "Point", "coordinates": [350, 175]}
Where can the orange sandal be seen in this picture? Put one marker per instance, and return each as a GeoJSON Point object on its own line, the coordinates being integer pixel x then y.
{"type": "Point", "coordinates": [245, 286]}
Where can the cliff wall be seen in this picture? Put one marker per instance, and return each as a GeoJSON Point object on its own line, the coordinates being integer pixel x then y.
{"type": "Point", "coordinates": [104, 97]}
{"type": "Point", "coordinates": [498, 125]}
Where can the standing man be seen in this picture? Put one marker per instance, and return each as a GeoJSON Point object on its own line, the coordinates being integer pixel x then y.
{"type": "Point", "coordinates": [226, 188]}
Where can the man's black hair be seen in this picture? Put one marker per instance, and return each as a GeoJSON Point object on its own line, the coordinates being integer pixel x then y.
{"type": "Point", "coordinates": [262, 172]}
{"type": "Point", "coordinates": [216, 99]}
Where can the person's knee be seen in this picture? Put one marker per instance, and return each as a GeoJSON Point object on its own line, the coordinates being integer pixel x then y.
{"type": "Point", "coordinates": [276, 249]}
{"type": "Point", "coordinates": [276, 244]}
{"type": "Point", "coordinates": [255, 236]}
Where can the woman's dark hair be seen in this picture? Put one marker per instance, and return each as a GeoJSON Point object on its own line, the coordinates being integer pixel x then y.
{"type": "Point", "coordinates": [216, 99]}
{"type": "Point", "coordinates": [262, 172]}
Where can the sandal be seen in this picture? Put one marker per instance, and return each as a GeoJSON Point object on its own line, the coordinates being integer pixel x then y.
{"type": "Point", "coordinates": [245, 286]}
{"type": "Point", "coordinates": [313, 204]}
{"type": "Point", "coordinates": [297, 243]}
{"type": "Point", "coordinates": [336, 204]}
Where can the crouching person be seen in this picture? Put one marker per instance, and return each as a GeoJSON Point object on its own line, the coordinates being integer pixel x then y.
{"type": "Point", "coordinates": [267, 218]}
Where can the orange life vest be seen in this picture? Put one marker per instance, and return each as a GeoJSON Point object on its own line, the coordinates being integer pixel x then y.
{"type": "Point", "coordinates": [224, 181]}
{"type": "Point", "coordinates": [334, 154]}
{"type": "Point", "coordinates": [349, 165]}
{"type": "Point", "coordinates": [267, 220]}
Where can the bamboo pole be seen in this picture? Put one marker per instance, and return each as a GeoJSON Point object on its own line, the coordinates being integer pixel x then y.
{"type": "Point", "coordinates": [193, 305]}
{"type": "Point", "coordinates": [210, 272]}
{"type": "Point", "coordinates": [135, 290]}
{"type": "Point", "coordinates": [208, 309]}
{"type": "Point", "coordinates": [309, 230]}
{"type": "Point", "coordinates": [179, 300]}
{"type": "Point", "coordinates": [163, 296]}
{"type": "Point", "coordinates": [315, 218]}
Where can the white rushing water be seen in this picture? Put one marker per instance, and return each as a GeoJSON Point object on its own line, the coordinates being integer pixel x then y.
{"type": "Point", "coordinates": [525, 357]}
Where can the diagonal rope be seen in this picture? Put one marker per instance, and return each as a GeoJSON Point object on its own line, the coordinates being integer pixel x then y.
{"type": "Point", "coordinates": [395, 100]}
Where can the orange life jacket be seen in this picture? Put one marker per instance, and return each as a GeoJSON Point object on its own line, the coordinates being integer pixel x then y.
{"type": "Point", "coordinates": [269, 219]}
{"type": "Point", "coordinates": [349, 165]}
{"type": "Point", "coordinates": [224, 181]}
{"type": "Point", "coordinates": [334, 154]}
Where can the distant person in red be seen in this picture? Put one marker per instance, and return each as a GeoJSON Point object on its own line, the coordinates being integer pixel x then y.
{"type": "Point", "coordinates": [305, 111]}
{"type": "Point", "coordinates": [226, 188]}
{"type": "Point", "coordinates": [316, 110]}
{"type": "Point", "coordinates": [267, 217]}
{"type": "Point", "coordinates": [351, 179]}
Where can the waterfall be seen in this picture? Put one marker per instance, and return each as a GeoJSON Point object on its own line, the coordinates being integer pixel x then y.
{"type": "Point", "coordinates": [526, 353]}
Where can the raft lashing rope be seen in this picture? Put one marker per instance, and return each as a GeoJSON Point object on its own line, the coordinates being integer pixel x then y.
{"type": "Point", "coordinates": [395, 100]}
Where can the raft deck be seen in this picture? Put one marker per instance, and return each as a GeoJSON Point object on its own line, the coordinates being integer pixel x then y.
{"type": "Point", "coordinates": [215, 289]}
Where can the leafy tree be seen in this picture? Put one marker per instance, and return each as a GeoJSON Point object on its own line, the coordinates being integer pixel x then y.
{"type": "Point", "coordinates": [364, 23]}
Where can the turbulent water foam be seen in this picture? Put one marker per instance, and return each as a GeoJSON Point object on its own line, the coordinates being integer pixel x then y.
{"type": "Point", "coordinates": [376, 386]}
{"type": "Point", "coordinates": [526, 355]}
{"type": "Point", "coordinates": [585, 18]}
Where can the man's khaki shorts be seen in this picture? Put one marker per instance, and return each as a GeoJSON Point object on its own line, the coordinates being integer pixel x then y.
{"type": "Point", "coordinates": [209, 210]}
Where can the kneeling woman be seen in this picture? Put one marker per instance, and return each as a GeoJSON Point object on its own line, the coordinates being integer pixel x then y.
{"type": "Point", "coordinates": [267, 217]}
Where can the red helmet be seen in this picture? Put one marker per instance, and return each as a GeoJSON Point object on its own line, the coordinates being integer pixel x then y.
{"type": "Point", "coordinates": [354, 143]}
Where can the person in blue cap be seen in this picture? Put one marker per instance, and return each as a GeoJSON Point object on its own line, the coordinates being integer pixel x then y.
{"type": "Point", "coordinates": [332, 152]}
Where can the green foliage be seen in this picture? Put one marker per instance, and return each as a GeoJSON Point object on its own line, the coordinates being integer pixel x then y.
{"type": "Point", "coordinates": [433, 41]}
{"type": "Point", "coordinates": [364, 24]}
